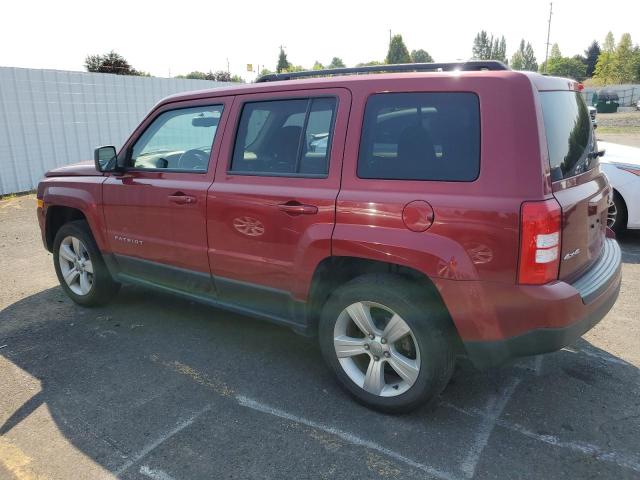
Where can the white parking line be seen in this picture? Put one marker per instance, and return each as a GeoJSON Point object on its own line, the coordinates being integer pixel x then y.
{"type": "Point", "coordinates": [346, 436]}
{"type": "Point", "coordinates": [159, 441]}
{"type": "Point", "coordinates": [494, 409]}
{"type": "Point", "coordinates": [155, 474]}
{"type": "Point", "coordinates": [622, 460]}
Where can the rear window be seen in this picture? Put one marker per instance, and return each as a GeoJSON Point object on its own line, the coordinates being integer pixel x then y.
{"type": "Point", "coordinates": [569, 133]}
{"type": "Point", "coordinates": [421, 136]}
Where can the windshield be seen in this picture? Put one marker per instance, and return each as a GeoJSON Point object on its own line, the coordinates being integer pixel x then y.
{"type": "Point", "coordinates": [569, 132]}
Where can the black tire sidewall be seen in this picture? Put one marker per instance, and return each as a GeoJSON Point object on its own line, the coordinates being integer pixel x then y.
{"type": "Point", "coordinates": [423, 317]}
{"type": "Point", "coordinates": [620, 224]}
{"type": "Point", "coordinates": [103, 287]}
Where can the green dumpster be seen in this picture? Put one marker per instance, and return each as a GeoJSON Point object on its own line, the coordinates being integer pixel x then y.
{"type": "Point", "coordinates": [607, 102]}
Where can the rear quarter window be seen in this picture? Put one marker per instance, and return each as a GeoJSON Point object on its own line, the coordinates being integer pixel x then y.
{"type": "Point", "coordinates": [421, 136]}
{"type": "Point", "coordinates": [569, 133]}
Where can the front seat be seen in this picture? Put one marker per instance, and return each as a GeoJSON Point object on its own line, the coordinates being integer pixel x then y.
{"type": "Point", "coordinates": [284, 147]}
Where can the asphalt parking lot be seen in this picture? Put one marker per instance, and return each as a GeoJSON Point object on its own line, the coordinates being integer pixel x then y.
{"type": "Point", "coordinates": [155, 387]}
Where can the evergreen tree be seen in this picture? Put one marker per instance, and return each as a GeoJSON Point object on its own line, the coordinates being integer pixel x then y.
{"type": "Point", "coordinates": [398, 52]}
{"type": "Point", "coordinates": [111, 62]}
{"type": "Point", "coordinates": [624, 60]}
{"type": "Point", "coordinates": [317, 66]}
{"type": "Point", "coordinates": [555, 51]}
{"type": "Point", "coordinates": [529, 61]}
{"type": "Point", "coordinates": [517, 59]}
{"type": "Point", "coordinates": [609, 44]}
{"type": "Point", "coordinates": [482, 46]}
{"type": "Point", "coordinates": [591, 54]}
{"type": "Point", "coordinates": [283, 63]}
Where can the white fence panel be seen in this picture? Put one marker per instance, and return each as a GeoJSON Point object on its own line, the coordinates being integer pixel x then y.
{"type": "Point", "coordinates": [50, 118]}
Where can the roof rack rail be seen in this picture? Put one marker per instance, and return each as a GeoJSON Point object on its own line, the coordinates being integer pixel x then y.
{"type": "Point", "coordinates": [473, 65]}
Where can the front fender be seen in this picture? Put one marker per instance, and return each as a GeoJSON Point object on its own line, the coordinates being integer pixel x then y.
{"type": "Point", "coordinates": [83, 194]}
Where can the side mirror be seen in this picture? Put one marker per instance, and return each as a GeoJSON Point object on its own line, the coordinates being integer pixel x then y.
{"type": "Point", "coordinates": [106, 158]}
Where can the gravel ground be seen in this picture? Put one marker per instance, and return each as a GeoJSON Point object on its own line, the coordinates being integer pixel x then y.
{"type": "Point", "coordinates": [156, 387]}
{"type": "Point", "coordinates": [621, 127]}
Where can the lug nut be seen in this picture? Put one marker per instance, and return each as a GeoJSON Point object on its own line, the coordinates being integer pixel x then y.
{"type": "Point", "coordinates": [387, 354]}
{"type": "Point", "coordinates": [372, 337]}
{"type": "Point", "coordinates": [366, 346]}
{"type": "Point", "coordinates": [383, 341]}
{"type": "Point", "coordinates": [376, 358]}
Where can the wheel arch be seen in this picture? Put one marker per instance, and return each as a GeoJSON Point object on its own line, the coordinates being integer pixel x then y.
{"type": "Point", "coordinates": [334, 271]}
{"type": "Point", "coordinates": [56, 217]}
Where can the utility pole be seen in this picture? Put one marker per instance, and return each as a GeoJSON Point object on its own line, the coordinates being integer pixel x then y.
{"type": "Point", "coordinates": [389, 36]}
{"type": "Point", "coordinates": [228, 65]}
{"type": "Point", "coordinates": [546, 55]}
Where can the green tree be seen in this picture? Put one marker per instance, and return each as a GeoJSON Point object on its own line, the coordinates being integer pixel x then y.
{"type": "Point", "coordinates": [499, 50]}
{"type": "Point", "coordinates": [369, 64]}
{"type": "Point", "coordinates": [609, 44]}
{"type": "Point", "coordinates": [283, 63]}
{"type": "Point", "coordinates": [604, 71]}
{"type": "Point", "coordinates": [421, 56]}
{"type": "Point", "coordinates": [517, 59]}
{"type": "Point", "coordinates": [482, 46]}
{"type": "Point", "coordinates": [529, 61]}
{"type": "Point", "coordinates": [567, 67]}
{"type": "Point", "coordinates": [294, 68]}
{"type": "Point", "coordinates": [196, 75]}
{"type": "Point", "coordinates": [624, 61]}
{"type": "Point", "coordinates": [591, 57]}
{"type": "Point", "coordinates": [111, 62]}
{"type": "Point", "coordinates": [336, 62]}
{"type": "Point", "coordinates": [555, 51]}
{"type": "Point", "coordinates": [398, 52]}
{"type": "Point", "coordinates": [317, 66]}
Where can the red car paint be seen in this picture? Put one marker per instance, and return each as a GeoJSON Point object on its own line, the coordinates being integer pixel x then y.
{"type": "Point", "coordinates": [274, 232]}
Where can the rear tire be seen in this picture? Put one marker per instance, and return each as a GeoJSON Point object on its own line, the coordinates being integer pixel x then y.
{"type": "Point", "coordinates": [411, 334]}
{"type": "Point", "coordinates": [80, 267]}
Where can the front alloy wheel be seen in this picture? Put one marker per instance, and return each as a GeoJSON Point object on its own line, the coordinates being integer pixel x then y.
{"type": "Point", "coordinates": [75, 265]}
{"type": "Point", "coordinates": [376, 349]}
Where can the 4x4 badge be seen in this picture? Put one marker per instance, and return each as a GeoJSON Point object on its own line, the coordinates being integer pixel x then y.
{"type": "Point", "coordinates": [572, 254]}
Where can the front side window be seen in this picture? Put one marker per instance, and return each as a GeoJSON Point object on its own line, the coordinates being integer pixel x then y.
{"type": "Point", "coordinates": [421, 136]}
{"type": "Point", "coordinates": [284, 137]}
{"type": "Point", "coordinates": [178, 140]}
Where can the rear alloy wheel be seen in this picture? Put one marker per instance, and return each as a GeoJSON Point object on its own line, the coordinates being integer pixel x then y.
{"type": "Point", "coordinates": [389, 342]}
{"type": "Point", "coordinates": [381, 360]}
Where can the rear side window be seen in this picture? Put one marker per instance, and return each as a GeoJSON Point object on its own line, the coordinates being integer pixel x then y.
{"type": "Point", "coordinates": [569, 133]}
{"type": "Point", "coordinates": [421, 136]}
{"type": "Point", "coordinates": [284, 137]}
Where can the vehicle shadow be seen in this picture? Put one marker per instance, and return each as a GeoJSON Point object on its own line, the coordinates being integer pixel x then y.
{"type": "Point", "coordinates": [630, 244]}
{"type": "Point", "coordinates": [117, 377]}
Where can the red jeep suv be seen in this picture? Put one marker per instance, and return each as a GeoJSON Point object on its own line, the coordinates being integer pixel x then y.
{"type": "Point", "coordinates": [404, 217]}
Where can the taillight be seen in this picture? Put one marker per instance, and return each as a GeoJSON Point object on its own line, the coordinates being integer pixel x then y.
{"type": "Point", "coordinates": [540, 224]}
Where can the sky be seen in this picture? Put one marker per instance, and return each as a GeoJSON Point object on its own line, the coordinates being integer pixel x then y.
{"type": "Point", "coordinates": [168, 38]}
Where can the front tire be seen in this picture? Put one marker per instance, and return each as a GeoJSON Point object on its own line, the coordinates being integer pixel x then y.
{"type": "Point", "coordinates": [80, 267]}
{"type": "Point", "coordinates": [617, 214]}
{"type": "Point", "coordinates": [388, 341]}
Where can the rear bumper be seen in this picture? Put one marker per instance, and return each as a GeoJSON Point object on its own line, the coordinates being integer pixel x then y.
{"type": "Point", "coordinates": [519, 320]}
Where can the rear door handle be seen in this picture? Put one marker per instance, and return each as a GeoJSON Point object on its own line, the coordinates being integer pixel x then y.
{"type": "Point", "coordinates": [297, 208]}
{"type": "Point", "coordinates": [181, 199]}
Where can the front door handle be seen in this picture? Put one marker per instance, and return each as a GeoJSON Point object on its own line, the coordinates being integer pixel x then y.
{"type": "Point", "coordinates": [297, 208]}
{"type": "Point", "coordinates": [182, 199]}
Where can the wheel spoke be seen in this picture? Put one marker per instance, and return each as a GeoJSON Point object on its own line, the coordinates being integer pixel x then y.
{"type": "Point", "coordinates": [348, 346]}
{"type": "Point", "coordinates": [67, 253]}
{"type": "Point", "coordinates": [88, 266]}
{"type": "Point", "coordinates": [71, 276]}
{"type": "Point", "coordinates": [405, 367]}
{"type": "Point", "coordinates": [395, 329]}
{"type": "Point", "coordinates": [361, 316]}
{"type": "Point", "coordinates": [76, 246]}
{"type": "Point", "coordinates": [85, 286]}
{"type": "Point", "coordinates": [374, 379]}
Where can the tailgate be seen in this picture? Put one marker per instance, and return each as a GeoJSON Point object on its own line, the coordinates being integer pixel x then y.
{"type": "Point", "coordinates": [584, 220]}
